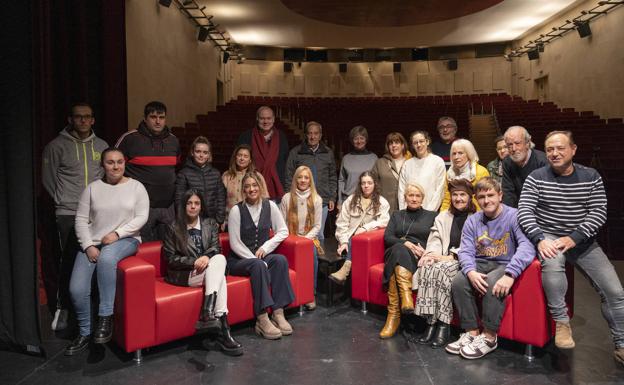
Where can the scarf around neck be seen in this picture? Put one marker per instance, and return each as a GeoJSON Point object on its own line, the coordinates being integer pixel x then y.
{"type": "Point", "coordinates": [265, 159]}
{"type": "Point", "coordinates": [469, 172]}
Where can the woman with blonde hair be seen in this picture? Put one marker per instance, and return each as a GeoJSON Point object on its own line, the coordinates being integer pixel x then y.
{"type": "Point", "coordinates": [405, 239]}
{"type": "Point", "coordinates": [388, 168]}
{"type": "Point", "coordinates": [302, 209]}
{"type": "Point", "coordinates": [464, 165]}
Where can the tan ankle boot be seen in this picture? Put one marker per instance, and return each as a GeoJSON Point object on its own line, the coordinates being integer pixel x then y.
{"type": "Point", "coordinates": [618, 354]}
{"type": "Point", "coordinates": [563, 335]}
{"type": "Point", "coordinates": [281, 323]}
{"type": "Point", "coordinates": [394, 317]}
{"type": "Point", "coordinates": [341, 275]}
{"type": "Point", "coordinates": [404, 282]}
{"type": "Point", "coordinates": [266, 329]}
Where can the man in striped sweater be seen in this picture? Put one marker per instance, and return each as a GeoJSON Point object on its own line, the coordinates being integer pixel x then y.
{"type": "Point", "coordinates": [562, 206]}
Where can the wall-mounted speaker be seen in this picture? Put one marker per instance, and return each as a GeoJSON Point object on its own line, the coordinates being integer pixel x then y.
{"type": "Point", "coordinates": [202, 35]}
{"type": "Point", "coordinates": [583, 29]}
{"type": "Point", "coordinates": [226, 57]}
{"type": "Point", "coordinates": [288, 67]}
{"type": "Point", "coordinates": [396, 67]}
{"type": "Point", "coordinates": [342, 68]}
{"type": "Point", "coordinates": [452, 65]}
{"type": "Point", "coordinates": [533, 54]}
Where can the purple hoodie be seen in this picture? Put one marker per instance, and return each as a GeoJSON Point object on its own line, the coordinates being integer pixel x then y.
{"type": "Point", "coordinates": [499, 240]}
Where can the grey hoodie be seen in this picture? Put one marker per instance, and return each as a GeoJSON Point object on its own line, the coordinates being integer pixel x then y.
{"type": "Point", "coordinates": [69, 165]}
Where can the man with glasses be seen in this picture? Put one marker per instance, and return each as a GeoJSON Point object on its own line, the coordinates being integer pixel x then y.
{"type": "Point", "coordinates": [447, 129]}
{"type": "Point", "coordinates": [522, 160]}
{"type": "Point", "coordinates": [70, 162]}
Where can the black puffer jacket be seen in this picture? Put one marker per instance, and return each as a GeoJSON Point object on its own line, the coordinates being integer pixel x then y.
{"type": "Point", "coordinates": [206, 180]}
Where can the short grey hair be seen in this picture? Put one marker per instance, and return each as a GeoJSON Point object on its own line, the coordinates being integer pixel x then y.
{"type": "Point", "coordinates": [261, 108]}
{"type": "Point", "coordinates": [414, 185]}
{"type": "Point", "coordinates": [446, 118]}
{"type": "Point", "coordinates": [525, 134]}
{"type": "Point", "coordinates": [468, 147]}
{"type": "Point", "coordinates": [358, 130]}
{"type": "Point", "coordinates": [310, 124]}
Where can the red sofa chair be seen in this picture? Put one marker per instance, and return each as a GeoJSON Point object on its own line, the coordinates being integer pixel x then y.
{"type": "Point", "coordinates": [526, 318]}
{"type": "Point", "coordinates": [150, 312]}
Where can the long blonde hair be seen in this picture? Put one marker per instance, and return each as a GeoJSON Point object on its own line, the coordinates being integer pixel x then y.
{"type": "Point", "coordinates": [293, 216]}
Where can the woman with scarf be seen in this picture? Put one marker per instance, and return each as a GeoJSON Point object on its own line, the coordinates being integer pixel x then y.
{"type": "Point", "coordinates": [388, 168]}
{"type": "Point", "coordinates": [302, 209]}
{"type": "Point", "coordinates": [438, 266]}
{"type": "Point", "coordinates": [464, 165]}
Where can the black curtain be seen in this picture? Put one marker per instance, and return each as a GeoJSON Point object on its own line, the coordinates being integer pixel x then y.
{"type": "Point", "coordinates": [55, 52]}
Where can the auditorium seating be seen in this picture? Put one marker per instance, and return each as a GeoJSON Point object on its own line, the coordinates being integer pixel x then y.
{"type": "Point", "coordinates": [526, 318]}
{"type": "Point", "coordinates": [150, 312]}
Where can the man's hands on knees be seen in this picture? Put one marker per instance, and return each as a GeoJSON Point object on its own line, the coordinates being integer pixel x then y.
{"type": "Point", "coordinates": [502, 287]}
{"type": "Point", "coordinates": [478, 281]}
{"type": "Point", "coordinates": [549, 248]}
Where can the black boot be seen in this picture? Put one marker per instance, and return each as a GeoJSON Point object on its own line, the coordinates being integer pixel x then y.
{"type": "Point", "coordinates": [226, 342]}
{"type": "Point", "coordinates": [79, 344]}
{"type": "Point", "coordinates": [442, 335]}
{"type": "Point", "coordinates": [427, 335]}
{"type": "Point", "coordinates": [207, 318]}
{"type": "Point", "coordinates": [104, 331]}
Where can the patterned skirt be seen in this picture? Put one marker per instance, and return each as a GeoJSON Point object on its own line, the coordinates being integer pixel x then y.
{"type": "Point", "coordinates": [433, 283]}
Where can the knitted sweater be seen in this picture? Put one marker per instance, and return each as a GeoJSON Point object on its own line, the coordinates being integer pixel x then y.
{"type": "Point", "coordinates": [514, 176]}
{"type": "Point", "coordinates": [352, 166]}
{"type": "Point", "coordinates": [430, 173]}
{"type": "Point", "coordinates": [302, 213]}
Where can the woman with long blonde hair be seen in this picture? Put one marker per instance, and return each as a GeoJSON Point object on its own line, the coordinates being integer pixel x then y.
{"type": "Point", "coordinates": [302, 209]}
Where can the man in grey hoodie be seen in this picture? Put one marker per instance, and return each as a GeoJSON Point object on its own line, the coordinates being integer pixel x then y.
{"type": "Point", "coordinates": [70, 162]}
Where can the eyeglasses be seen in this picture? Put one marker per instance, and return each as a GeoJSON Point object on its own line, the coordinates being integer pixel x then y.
{"type": "Point", "coordinates": [419, 142]}
{"type": "Point", "coordinates": [448, 125]}
{"type": "Point", "coordinates": [81, 117]}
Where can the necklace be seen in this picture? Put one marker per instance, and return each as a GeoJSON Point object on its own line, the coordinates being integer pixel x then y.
{"type": "Point", "coordinates": [404, 237]}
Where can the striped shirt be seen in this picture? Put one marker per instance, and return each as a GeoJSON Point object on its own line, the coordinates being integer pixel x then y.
{"type": "Point", "coordinates": [574, 205]}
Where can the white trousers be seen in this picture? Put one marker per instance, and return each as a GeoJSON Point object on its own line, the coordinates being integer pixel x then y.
{"type": "Point", "coordinates": [213, 280]}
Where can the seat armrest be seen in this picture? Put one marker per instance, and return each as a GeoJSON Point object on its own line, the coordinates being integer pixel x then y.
{"type": "Point", "coordinates": [367, 249]}
{"type": "Point", "coordinates": [135, 304]}
{"type": "Point", "coordinates": [300, 255]}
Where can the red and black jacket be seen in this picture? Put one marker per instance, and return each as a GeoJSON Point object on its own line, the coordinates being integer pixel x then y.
{"type": "Point", "coordinates": [152, 159]}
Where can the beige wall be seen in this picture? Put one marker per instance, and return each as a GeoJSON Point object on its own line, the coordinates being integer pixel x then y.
{"type": "Point", "coordinates": [166, 62]}
{"type": "Point", "coordinates": [484, 75]}
{"type": "Point", "coordinates": [586, 74]}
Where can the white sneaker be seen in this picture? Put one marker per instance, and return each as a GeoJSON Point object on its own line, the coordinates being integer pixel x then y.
{"type": "Point", "coordinates": [60, 319]}
{"type": "Point", "coordinates": [478, 348]}
{"type": "Point", "coordinates": [455, 347]}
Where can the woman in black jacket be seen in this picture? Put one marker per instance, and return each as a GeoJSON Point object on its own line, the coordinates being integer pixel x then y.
{"type": "Point", "coordinates": [194, 259]}
{"type": "Point", "coordinates": [198, 174]}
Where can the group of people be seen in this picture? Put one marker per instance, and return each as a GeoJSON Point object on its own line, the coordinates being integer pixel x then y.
{"type": "Point", "coordinates": [453, 230]}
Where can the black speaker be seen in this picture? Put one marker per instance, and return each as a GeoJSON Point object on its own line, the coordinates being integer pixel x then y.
{"type": "Point", "coordinates": [226, 57]}
{"type": "Point", "coordinates": [294, 54]}
{"type": "Point", "coordinates": [288, 67]}
{"type": "Point", "coordinates": [396, 67]}
{"type": "Point", "coordinates": [452, 65]}
{"type": "Point", "coordinates": [164, 3]}
{"type": "Point", "coordinates": [203, 34]}
{"type": "Point", "coordinates": [583, 29]}
{"type": "Point", "coordinates": [420, 54]}
{"type": "Point", "coordinates": [533, 54]}
{"type": "Point", "coordinates": [342, 68]}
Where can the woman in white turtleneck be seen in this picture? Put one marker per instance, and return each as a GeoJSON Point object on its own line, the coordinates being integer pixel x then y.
{"type": "Point", "coordinates": [302, 209]}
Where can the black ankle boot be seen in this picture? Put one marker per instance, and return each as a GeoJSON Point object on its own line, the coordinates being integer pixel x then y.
{"type": "Point", "coordinates": [104, 331]}
{"type": "Point", "coordinates": [79, 344]}
{"type": "Point", "coordinates": [442, 335]}
{"type": "Point", "coordinates": [226, 342]}
{"type": "Point", "coordinates": [427, 335]}
{"type": "Point", "coordinates": [207, 312]}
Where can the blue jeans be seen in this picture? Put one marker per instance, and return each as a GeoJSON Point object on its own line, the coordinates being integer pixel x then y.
{"type": "Point", "coordinates": [348, 258]}
{"type": "Point", "coordinates": [321, 234]}
{"type": "Point", "coordinates": [80, 284]}
{"type": "Point", "coordinates": [595, 266]}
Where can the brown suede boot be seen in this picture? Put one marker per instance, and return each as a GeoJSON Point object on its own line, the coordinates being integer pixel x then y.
{"type": "Point", "coordinates": [618, 354]}
{"type": "Point", "coordinates": [281, 323]}
{"type": "Point", "coordinates": [341, 275]}
{"type": "Point", "coordinates": [563, 335]}
{"type": "Point", "coordinates": [404, 282]}
{"type": "Point", "coordinates": [266, 329]}
{"type": "Point", "coordinates": [394, 317]}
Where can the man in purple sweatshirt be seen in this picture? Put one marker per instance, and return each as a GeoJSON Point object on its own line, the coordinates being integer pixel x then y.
{"type": "Point", "coordinates": [493, 253]}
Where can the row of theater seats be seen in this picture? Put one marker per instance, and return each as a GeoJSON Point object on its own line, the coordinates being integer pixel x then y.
{"type": "Point", "coordinates": [150, 312]}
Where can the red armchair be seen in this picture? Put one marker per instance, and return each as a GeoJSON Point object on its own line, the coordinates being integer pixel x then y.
{"type": "Point", "coordinates": [526, 317]}
{"type": "Point", "coordinates": [149, 311]}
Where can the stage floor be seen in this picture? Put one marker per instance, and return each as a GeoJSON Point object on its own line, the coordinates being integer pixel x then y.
{"type": "Point", "coordinates": [337, 345]}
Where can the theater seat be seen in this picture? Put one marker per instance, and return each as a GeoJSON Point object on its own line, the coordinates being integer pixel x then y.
{"type": "Point", "coordinates": [526, 318]}
{"type": "Point", "coordinates": [150, 312]}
